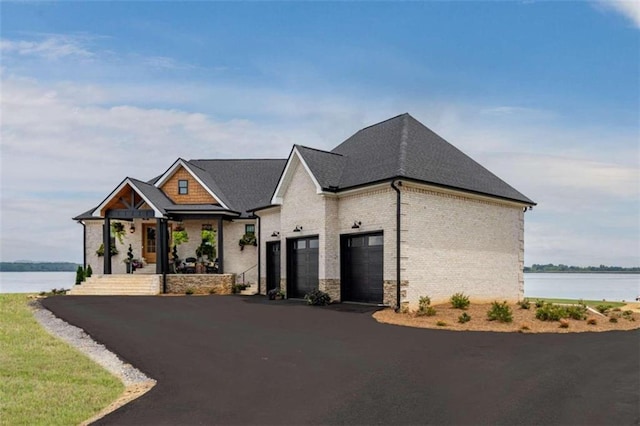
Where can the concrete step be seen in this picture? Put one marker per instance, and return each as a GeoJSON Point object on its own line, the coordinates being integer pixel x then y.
{"type": "Point", "coordinates": [126, 284]}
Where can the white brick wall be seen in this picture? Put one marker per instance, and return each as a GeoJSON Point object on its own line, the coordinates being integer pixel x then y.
{"type": "Point", "coordinates": [454, 244]}
{"type": "Point", "coordinates": [237, 261]}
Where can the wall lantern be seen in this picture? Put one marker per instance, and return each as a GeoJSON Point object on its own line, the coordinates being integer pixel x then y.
{"type": "Point", "coordinates": [356, 225]}
{"type": "Point", "coordinates": [132, 228]}
{"type": "Point", "coordinates": [298, 228]}
{"type": "Point", "coordinates": [275, 234]}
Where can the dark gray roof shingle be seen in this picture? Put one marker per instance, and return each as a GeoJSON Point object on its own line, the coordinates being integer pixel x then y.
{"type": "Point", "coordinates": [403, 147]}
{"type": "Point", "coordinates": [327, 167]}
{"type": "Point", "coordinates": [244, 184]}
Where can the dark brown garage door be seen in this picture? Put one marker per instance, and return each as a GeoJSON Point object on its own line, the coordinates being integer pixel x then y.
{"type": "Point", "coordinates": [302, 262]}
{"type": "Point", "coordinates": [361, 267]}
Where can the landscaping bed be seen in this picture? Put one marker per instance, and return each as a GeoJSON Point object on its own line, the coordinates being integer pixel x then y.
{"type": "Point", "coordinates": [446, 317]}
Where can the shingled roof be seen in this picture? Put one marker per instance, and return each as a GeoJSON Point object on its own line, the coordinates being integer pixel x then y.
{"type": "Point", "coordinates": [402, 147]}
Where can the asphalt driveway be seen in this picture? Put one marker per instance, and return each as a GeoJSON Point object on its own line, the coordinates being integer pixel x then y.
{"type": "Point", "coordinates": [230, 360]}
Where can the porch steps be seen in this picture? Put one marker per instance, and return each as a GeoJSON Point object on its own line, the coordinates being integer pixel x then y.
{"type": "Point", "coordinates": [118, 285]}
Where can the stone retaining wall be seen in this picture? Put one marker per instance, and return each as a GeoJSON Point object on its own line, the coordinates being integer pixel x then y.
{"type": "Point", "coordinates": [200, 283]}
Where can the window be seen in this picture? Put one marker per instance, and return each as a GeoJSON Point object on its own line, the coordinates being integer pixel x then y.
{"type": "Point", "coordinates": [250, 229]}
{"type": "Point", "coordinates": [183, 187]}
{"type": "Point", "coordinates": [376, 240]}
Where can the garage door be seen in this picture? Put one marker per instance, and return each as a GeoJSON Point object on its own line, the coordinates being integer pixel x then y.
{"type": "Point", "coordinates": [302, 262]}
{"type": "Point", "coordinates": [361, 268]}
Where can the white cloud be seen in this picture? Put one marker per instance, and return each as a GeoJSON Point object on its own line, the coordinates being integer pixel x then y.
{"type": "Point", "coordinates": [630, 9]}
{"type": "Point", "coordinates": [50, 47]}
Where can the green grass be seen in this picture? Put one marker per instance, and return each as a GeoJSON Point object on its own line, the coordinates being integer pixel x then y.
{"type": "Point", "coordinates": [591, 303]}
{"type": "Point", "coordinates": [44, 381]}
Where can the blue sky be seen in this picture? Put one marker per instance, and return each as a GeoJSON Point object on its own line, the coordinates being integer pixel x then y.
{"type": "Point", "coordinates": [544, 94]}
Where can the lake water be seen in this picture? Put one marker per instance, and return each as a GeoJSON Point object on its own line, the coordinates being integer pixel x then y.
{"type": "Point", "coordinates": [613, 287]}
{"type": "Point", "coordinates": [35, 282]}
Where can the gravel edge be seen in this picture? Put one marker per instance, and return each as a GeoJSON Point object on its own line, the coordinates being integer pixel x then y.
{"type": "Point", "coordinates": [76, 337]}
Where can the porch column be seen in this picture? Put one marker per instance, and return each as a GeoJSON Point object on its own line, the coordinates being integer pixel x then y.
{"type": "Point", "coordinates": [220, 238]}
{"type": "Point", "coordinates": [106, 241]}
{"type": "Point", "coordinates": [161, 251]}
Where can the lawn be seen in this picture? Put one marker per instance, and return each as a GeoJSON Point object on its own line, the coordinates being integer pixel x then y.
{"type": "Point", "coordinates": [44, 381]}
{"type": "Point", "coordinates": [591, 303]}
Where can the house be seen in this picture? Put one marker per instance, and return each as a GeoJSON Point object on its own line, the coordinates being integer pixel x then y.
{"type": "Point", "coordinates": [393, 213]}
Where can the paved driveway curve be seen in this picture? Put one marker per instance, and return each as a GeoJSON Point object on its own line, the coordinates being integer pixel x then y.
{"type": "Point", "coordinates": [229, 360]}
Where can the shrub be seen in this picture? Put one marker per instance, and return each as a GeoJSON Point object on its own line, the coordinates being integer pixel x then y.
{"type": "Point", "coordinates": [460, 301]}
{"type": "Point", "coordinates": [79, 275]}
{"type": "Point", "coordinates": [88, 272]}
{"type": "Point", "coordinates": [564, 323]}
{"type": "Point", "coordinates": [613, 319]}
{"type": "Point", "coordinates": [500, 312]}
{"type": "Point", "coordinates": [592, 321]}
{"type": "Point", "coordinates": [549, 312]}
{"type": "Point", "coordinates": [212, 290]}
{"type": "Point", "coordinates": [628, 315]}
{"type": "Point", "coordinates": [425, 308]}
{"type": "Point", "coordinates": [524, 327]}
{"type": "Point", "coordinates": [540, 303]}
{"type": "Point", "coordinates": [188, 291]}
{"type": "Point", "coordinates": [603, 309]}
{"type": "Point", "coordinates": [317, 298]}
{"type": "Point", "coordinates": [576, 312]}
{"type": "Point", "coordinates": [465, 317]}
{"type": "Point", "coordinates": [617, 310]}
{"type": "Point", "coordinates": [441, 324]}
{"type": "Point", "coordinates": [404, 308]}
{"type": "Point", "coordinates": [237, 288]}
{"type": "Point", "coordinates": [524, 304]}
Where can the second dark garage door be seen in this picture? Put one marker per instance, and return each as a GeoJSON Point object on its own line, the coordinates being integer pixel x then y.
{"type": "Point", "coordinates": [302, 266]}
{"type": "Point", "coordinates": [361, 266]}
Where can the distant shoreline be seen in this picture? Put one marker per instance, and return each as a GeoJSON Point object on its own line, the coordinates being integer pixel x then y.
{"type": "Point", "coordinates": [38, 266]}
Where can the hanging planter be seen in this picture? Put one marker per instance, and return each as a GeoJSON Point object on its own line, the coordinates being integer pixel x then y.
{"type": "Point", "coordinates": [117, 229]}
{"type": "Point", "coordinates": [100, 251]}
{"type": "Point", "coordinates": [247, 240]}
{"type": "Point", "coordinates": [179, 235]}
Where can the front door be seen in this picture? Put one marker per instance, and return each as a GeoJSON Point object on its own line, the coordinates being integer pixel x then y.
{"type": "Point", "coordinates": [273, 265]}
{"type": "Point", "coordinates": [149, 242]}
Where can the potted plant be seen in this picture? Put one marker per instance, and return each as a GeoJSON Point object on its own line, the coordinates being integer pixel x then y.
{"type": "Point", "coordinates": [129, 261]}
{"type": "Point", "coordinates": [100, 251]}
{"type": "Point", "coordinates": [248, 239]}
{"type": "Point", "coordinates": [117, 228]}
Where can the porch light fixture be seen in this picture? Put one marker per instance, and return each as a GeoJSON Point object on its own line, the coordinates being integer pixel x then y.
{"type": "Point", "coordinates": [356, 225]}
{"type": "Point", "coordinates": [298, 228]}
{"type": "Point", "coordinates": [275, 234]}
{"type": "Point", "coordinates": [132, 228]}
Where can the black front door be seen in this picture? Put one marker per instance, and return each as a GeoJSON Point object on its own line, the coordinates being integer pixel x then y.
{"type": "Point", "coordinates": [362, 268]}
{"type": "Point", "coordinates": [273, 265]}
{"type": "Point", "coordinates": [302, 261]}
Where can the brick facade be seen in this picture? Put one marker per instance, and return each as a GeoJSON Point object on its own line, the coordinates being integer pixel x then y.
{"type": "Point", "coordinates": [450, 241]}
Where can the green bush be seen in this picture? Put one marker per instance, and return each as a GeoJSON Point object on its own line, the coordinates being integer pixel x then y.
{"type": "Point", "coordinates": [540, 303]}
{"type": "Point", "coordinates": [550, 312]}
{"type": "Point", "coordinates": [79, 275]}
{"type": "Point", "coordinates": [465, 317]}
{"type": "Point", "coordinates": [628, 315]}
{"type": "Point", "coordinates": [500, 312]}
{"type": "Point", "coordinates": [188, 291]}
{"type": "Point", "coordinates": [317, 298]}
{"type": "Point", "coordinates": [425, 308]}
{"type": "Point", "coordinates": [524, 304]}
{"type": "Point", "coordinates": [613, 319]}
{"type": "Point", "coordinates": [88, 272]}
{"type": "Point", "coordinates": [237, 288]}
{"type": "Point", "coordinates": [603, 309]}
{"type": "Point", "coordinates": [460, 301]}
{"type": "Point", "coordinates": [441, 324]}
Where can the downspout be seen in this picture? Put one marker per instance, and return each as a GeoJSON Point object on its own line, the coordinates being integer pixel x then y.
{"type": "Point", "coordinates": [395, 188]}
{"type": "Point", "coordinates": [165, 255]}
{"type": "Point", "coordinates": [259, 253]}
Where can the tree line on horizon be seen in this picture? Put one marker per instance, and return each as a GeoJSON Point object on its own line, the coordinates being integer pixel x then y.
{"type": "Point", "coordinates": [550, 267]}
{"type": "Point", "coordinates": [38, 266]}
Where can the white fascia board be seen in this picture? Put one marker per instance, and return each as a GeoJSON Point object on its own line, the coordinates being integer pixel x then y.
{"type": "Point", "coordinates": [127, 181]}
{"type": "Point", "coordinates": [287, 175]}
{"type": "Point", "coordinates": [180, 162]}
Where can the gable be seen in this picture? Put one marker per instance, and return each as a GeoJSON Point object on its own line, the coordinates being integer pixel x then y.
{"type": "Point", "coordinates": [294, 162]}
{"type": "Point", "coordinates": [196, 194]}
{"type": "Point", "coordinates": [127, 196]}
